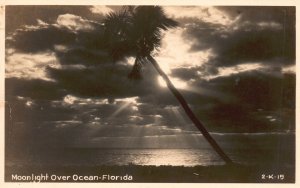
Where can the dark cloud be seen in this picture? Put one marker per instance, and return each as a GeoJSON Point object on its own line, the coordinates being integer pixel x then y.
{"type": "Point", "coordinates": [259, 90]}
{"type": "Point", "coordinates": [83, 56]}
{"type": "Point", "coordinates": [59, 123]}
{"type": "Point", "coordinates": [36, 89]}
{"type": "Point", "coordinates": [186, 73]}
{"type": "Point", "coordinates": [44, 38]}
{"type": "Point", "coordinates": [259, 46]}
{"type": "Point", "coordinates": [23, 109]}
{"type": "Point", "coordinates": [98, 77]}
{"type": "Point", "coordinates": [267, 35]}
{"type": "Point", "coordinates": [257, 95]}
{"type": "Point", "coordinates": [243, 100]}
{"type": "Point", "coordinates": [108, 80]}
{"type": "Point", "coordinates": [33, 123]}
{"type": "Point", "coordinates": [18, 16]}
{"type": "Point", "coordinates": [260, 13]}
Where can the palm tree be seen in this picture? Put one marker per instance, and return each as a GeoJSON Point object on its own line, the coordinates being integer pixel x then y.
{"type": "Point", "coordinates": [136, 31]}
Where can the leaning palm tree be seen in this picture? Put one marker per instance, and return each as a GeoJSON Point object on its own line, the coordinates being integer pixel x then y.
{"type": "Point", "coordinates": [137, 31]}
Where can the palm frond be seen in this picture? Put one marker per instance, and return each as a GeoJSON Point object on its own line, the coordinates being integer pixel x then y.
{"type": "Point", "coordinates": [117, 27]}
{"type": "Point", "coordinates": [136, 30]}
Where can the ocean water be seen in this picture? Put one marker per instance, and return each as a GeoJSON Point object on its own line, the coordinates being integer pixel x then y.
{"type": "Point", "coordinates": [244, 148]}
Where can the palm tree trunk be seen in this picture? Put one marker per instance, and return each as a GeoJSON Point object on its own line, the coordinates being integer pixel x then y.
{"type": "Point", "coordinates": [189, 112]}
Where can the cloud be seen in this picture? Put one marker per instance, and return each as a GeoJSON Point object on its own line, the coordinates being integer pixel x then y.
{"type": "Point", "coordinates": [244, 46]}
{"type": "Point", "coordinates": [263, 37]}
{"type": "Point", "coordinates": [47, 14]}
{"type": "Point", "coordinates": [237, 69]}
{"type": "Point", "coordinates": [33, 88]}
{"type": "Point", "coordinates": [175, 52]}
{"type": "Point", "coordinates": [83, 61]}
{"type": "Point", "coordinates": [81, 56]}
{"type": "Point", "coordinates": [39, 38]}
{"type": "Point", "coordinates": [76, 121]}
{"type": "Point", "coordinates": [206, 14]}
{"type": "Point", "coordinates": [105, 80]}
{"type": "Point", "coordinates": [266, 46]}
{"type": "Point", "coordinates": [29, 66]}
{"type": "Point", "coordinates": [258, 14]}
{"type": "Point", "coordinates": [101, 10]}
{"type": "Point", "coordinates": [74, 23]}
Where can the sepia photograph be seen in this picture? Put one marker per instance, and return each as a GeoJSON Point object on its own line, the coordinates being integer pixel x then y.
{"type": "Point", "coordinates": [150, 94]}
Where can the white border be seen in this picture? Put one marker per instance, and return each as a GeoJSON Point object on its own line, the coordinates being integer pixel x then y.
{"type": "Point", "coordinates": [152, 2]}
{"type": "Point", "coordinates": [141, 2]}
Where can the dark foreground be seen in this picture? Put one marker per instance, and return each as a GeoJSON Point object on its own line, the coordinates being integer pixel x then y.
{"type": "Point", "coordinates": [151, 174]}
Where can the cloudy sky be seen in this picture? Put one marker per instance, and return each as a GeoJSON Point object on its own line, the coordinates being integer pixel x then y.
{"type": "Point", "coordinates": [234, 65]}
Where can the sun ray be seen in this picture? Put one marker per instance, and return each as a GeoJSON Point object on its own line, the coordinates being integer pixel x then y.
{"type": "Point", "coordinates": [179, 84]}
{"type": "Point", "coordinates": [119, 110]}
{"type": "Point", "coordinates": [211, 93]}
{"type": "Point", "coordinates": [124, 103]}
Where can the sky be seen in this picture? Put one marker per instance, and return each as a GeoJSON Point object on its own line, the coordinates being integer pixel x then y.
{"type": "Point", "coordinates": [235, 66]}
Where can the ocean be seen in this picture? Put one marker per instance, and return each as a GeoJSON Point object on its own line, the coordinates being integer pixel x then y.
{"type": "Point", "coordinates": [245, 148]}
